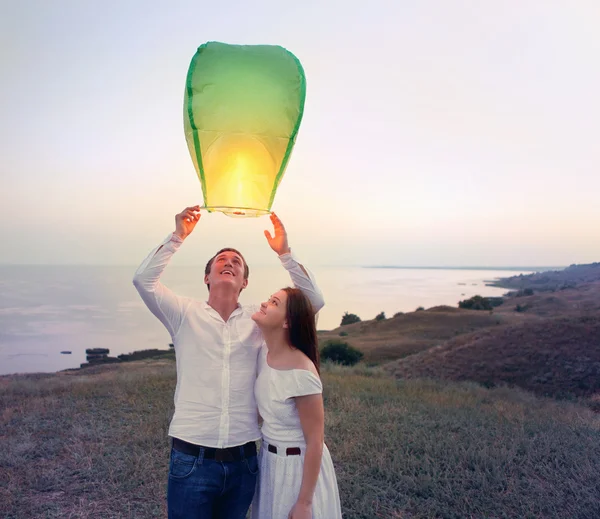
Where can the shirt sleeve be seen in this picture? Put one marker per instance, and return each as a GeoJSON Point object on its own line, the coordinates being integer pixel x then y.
{"type": "Point", "coordinates": [168, 307]}
{"type": "Point", "coordinates": [305, 282]}
{"type": "Point", "coordinates": [304, 383]}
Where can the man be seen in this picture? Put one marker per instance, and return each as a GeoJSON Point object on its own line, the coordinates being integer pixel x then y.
{"type": "Point", "coordinates": [213, 466]}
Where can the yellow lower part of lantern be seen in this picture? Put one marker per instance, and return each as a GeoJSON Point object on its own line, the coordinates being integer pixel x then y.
{"type": "Point", "coordinates": [239, 171]}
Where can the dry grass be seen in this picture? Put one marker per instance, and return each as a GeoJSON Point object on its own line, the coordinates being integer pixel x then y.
{"type": "Point", "coordinates": [406, 334]}
{"type": "Point", "coordinates": [584, 298]}
{"type": "Point", "coordinates": [94, 444]}
{"type": "Point", "coordinates": [86, 444]}
{"type": "Point", "coordinates": [551, 357]}
{"type": "Point", "coordinates": [424, 449]}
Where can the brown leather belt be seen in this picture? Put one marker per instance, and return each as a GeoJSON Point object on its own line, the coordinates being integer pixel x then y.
{"type": "Point", "coordinates": [211, 453]}
{"type": "Point", "coordinates": [290, 451]}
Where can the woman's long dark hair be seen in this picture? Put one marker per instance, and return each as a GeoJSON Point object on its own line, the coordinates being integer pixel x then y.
{"type": "Point", "coordinates": [302, 330]}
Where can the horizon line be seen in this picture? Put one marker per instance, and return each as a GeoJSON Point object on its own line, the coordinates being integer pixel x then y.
{"type": "Point", "coordinates": [406, 267]}
{"type": "Point", "coordinates": [471, 267]}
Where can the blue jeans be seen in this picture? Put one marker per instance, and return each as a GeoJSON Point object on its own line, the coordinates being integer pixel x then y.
{"type": "Point", "coordinates": [207, 489]}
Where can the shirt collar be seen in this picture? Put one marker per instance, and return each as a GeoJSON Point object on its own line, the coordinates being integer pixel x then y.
{"type": "Point", "coordinates": [214, 313]}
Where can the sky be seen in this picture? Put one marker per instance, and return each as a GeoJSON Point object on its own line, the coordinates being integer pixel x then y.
{"type": "Point", "coordinates": [435, 133]}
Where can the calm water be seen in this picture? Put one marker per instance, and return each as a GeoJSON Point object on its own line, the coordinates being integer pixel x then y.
{"type": "Point", "coordinates": [47, 309]}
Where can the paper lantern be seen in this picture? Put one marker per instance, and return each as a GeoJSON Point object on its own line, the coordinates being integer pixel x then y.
{"type": "Point", "coordinates": [242, 109]}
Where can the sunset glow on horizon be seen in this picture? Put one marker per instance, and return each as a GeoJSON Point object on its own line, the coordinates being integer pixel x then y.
{"type": "Point", "coordinates": [434, 134]}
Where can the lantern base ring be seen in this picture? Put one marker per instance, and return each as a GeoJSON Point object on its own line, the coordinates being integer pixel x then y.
{"type": "Point", "coordinates": [237, 212]}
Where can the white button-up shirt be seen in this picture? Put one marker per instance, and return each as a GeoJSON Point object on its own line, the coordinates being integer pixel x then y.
{"type": "Point", "coordinates": [216, 359]}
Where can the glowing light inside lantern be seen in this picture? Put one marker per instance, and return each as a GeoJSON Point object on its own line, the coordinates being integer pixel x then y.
{"type": "Point", "coordinates": [240, 171]}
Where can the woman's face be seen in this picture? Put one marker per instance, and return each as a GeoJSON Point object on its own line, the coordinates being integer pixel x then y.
{"type": "Point", "coordinates": [272, 312]}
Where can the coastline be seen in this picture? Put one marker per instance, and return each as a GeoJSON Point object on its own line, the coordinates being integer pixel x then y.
{"type": "Point", "coordinates": [395, 347]}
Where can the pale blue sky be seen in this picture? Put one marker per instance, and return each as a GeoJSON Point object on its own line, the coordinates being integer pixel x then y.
{"type": "Point", "coordinates": [435, 132]}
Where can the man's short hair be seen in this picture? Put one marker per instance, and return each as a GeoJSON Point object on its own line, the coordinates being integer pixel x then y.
{"type": "Point", "coordinates": [227, 249]}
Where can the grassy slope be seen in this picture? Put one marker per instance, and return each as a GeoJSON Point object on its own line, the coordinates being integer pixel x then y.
{"type": "Point", "coordinates": [93, 444]}
{"type": "Point", "coordinates": [409, 333]}
{"type": "Point", "coordinates": [551, 347]}
{"type": "Point", "coordinates": [556, 357]}
{"type": "Point", "coordinates": [584, 298]}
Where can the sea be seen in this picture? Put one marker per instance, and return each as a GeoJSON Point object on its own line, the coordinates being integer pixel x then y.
{"type": "Point", "coordinates": [46, 311]}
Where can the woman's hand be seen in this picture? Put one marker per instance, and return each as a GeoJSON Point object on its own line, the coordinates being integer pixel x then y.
{"type": "Point", "coordinates": [279, 243]}
{"type": "Point", "coordinates": [301, 511]}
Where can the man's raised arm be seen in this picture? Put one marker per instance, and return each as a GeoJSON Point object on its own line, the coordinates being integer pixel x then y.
{"type": "Point", "coordinates": [160, 300]}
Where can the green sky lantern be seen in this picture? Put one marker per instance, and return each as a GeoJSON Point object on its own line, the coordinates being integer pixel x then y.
{"type": "Point", "coordinates": [242, 109]}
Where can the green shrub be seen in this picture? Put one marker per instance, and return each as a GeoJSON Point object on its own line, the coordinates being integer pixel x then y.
{"type": "Point", "coordinates": [420, 309]}
{"type": "Point", "coordinates": [398, 314]}
{"type": "Point", "coordinates": [349, 319]}
{"type": "Point", "coordinates": [343, 334]}
{"type": "Point", "coordinates": [476, 303]}
{"type": "Point", "coordinates": [380, 317]}
{"type": "Point", "coordinates": [341, 353]}
{"type": "Point", "coordinates": [495, 301]}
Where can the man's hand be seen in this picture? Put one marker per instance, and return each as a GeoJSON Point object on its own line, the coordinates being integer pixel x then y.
{"type": "Point", "coordinates": [279, 243]}
{"type": "Point", "coordinates": [186, 221]}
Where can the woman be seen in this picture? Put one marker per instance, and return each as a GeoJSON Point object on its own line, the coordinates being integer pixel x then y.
{"type": "Point", "coordinates": [297, 479]}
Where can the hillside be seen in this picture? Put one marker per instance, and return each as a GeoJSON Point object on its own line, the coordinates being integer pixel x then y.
{"type": "Point", "coordinates": [556, 357]}
{"type": "Point", "coordinates": [582, 299]}
{"type": "Point", "coordinates": [571, 276]}
{"type": "Point", "coordinates": [409, 333]}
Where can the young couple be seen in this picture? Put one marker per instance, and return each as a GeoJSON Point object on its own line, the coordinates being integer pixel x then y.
{"type": "Point", "coordinates": [235, 365]}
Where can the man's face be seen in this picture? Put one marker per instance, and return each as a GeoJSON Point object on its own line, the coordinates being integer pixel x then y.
{"type": "Point", "coordinates": [227, 270]}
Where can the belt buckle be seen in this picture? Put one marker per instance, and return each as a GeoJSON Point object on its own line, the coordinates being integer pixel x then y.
{"type": "Point", "coordinates": [223, 455]}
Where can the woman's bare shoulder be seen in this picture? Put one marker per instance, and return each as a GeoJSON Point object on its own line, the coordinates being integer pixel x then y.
{"type": "Point", "coordinates": [301, 361]}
